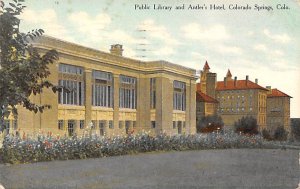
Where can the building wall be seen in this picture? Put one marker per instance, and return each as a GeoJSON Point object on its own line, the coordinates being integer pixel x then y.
{"type": "Point", "coordinates": [234, 104]}
{"type": "Point", "coordinates": [141, 118]}
{"type": "Point", "coordinates": [278, 113]}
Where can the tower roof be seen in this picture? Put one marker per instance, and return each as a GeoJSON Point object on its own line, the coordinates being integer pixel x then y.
{"type": "Point", "coordinates": [206, 66]}
{"type": "Point", "coordinates": [228, 73]}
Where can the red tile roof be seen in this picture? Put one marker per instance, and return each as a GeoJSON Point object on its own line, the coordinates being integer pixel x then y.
{"type": "Point", "coordinates": [206, 66]}
{"type": "Point", "coordinates": [240, 85]}
{"type": "Point", "coordinates": [200, 96]}
{"type": "Point", "coordinates": [277, 93]}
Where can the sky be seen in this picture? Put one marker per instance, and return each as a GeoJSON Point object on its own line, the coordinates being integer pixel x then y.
{"type": "Point", "coordinates": [264, 44]}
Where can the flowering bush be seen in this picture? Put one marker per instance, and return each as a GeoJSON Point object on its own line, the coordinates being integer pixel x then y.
{"type": "Point", "coordinates": [48, 148]}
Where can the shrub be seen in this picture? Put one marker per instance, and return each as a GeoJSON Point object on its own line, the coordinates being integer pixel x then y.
{"type": "Point", "coordinates": [210, 124]}
{"type": "Point", "coordinates": [280, 134]}
{"type": "Point", "coordinates": [16, 150]}
{"type": "Point", "coordinates": [295, 129]}
{"type": "Point", "coordinates": [266, 134]}
{"type": "Point", "coordinates": [246, 125]}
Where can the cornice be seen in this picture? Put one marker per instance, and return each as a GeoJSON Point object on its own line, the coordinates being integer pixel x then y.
{"type": "Point", "coordinates": [78, 51]}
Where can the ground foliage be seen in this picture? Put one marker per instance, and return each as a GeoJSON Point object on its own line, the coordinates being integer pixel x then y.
{"type": "Point", "coordinates": [48, 148]}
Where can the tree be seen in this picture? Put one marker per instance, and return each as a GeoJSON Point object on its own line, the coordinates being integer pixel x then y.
{"type": "Point", "coordinates": [295, 128]}
{"type": "Point", "coordinates": [23, 71]}
{"type": "Point", "coordinates": [210, 123]}
{"type": "Point", "coordinates": [246, 125]}
{"type": "Point", "coordinates": [280, 134]}
{"type": "Point", "coordinates": [266, 134]}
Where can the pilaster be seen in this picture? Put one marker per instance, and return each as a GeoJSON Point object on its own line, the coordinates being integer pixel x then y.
{"type": "Point", "coordinates": [88, 96]}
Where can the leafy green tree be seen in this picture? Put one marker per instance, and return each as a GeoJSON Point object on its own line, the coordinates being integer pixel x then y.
{"type": "Point", "coordinates": [210, 123]}
{"type": "Point", "coordinates": [246, 125]}
{"type": "Point", "coordinates": [23, 71]}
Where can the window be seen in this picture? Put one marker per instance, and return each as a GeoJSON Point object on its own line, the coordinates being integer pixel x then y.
{"type": "Point", "coordinates": [121, 123]}
{"type": "Point", "coordinates": [15, 124]}
{"type": "Point", "coordinates": [102, 127]}
{"type": "Point", "coordinates": [71, 81]}
{"type": "Point", "coordinates": [153, 124]}
{"type": "Point", "coordinates": [111, 124]}
{"type": "Point", "coordinates": [153, 93]}
{"type": "Point", "coordinates": [71, 127]}
{"type": "Point", "coordinates": [174, 125]}
{"type": "Point", "coordinates": [81, 124]}
{"type": "Point", "coordinates": [179, 96]}
{"type": "Point", "coordinates": [102, 89]}
{"type": "Point", "coordinates": [70, 69]}
{"type": "Point", "coordinates": [133, 124]}
{"type": "Point", "coordinates": [61, 124]}
{"type": "Point", "coordinates": [127, 97]}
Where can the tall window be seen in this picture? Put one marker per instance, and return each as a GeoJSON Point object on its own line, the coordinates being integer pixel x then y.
{"type": "Point", "coordinates": [179, 96]}
{"type": "Point", "coordinates": [81, 124]}
{"type": "Point", "coordinates": [60, 124]}
{"type": "Point", "coordinates": [102, 89]}
{"type": "Point", "coordinates": [127, 96]}
{"type": "Point", "coordinates": [153, 93]}
{"type": "Point", "coordinates": [71, 78]}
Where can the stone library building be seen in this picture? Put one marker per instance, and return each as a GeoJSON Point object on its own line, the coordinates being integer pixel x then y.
{"type": "Point", "coordinates": [110, 94]}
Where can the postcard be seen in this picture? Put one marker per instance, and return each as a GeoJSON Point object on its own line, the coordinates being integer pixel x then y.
{"type": "Point", "coordinates": [149, 94]}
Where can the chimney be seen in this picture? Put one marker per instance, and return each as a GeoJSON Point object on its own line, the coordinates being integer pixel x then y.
{"type": "Point", "coordinates": [256, 81]}
{"type": "Point", "coordinates": [247, 78]}
{"type": "Point", "coordinates": [235, 78]}
{"type": "Point", "coordinates": [270, 89]}
{"type": "Point", "coordinates": [225, 81]}
{"type": "Point", "coordinates": [116, 49]}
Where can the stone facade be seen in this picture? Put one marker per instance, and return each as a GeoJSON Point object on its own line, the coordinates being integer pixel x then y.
{"type": "Point", "coordinates": [94, 102]}
{"type": "Point", "coordinates": [238, 98]}
{"type": "Point", "coordinates": [278, 110]}
{"type": "Point", "coordinates": [205, 97]}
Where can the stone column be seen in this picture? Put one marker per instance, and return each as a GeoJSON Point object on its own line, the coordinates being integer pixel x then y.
{"type": "Point", "coordinates": [143, 104]}
{"type": "Point", "coordinates": [164, 106]}
{"type": "Point", "coordinates": [88, 97]}
{"type": "Point", "coordinates": [116, 103]}
{"type": "Point", "coordinates": [192, 107]}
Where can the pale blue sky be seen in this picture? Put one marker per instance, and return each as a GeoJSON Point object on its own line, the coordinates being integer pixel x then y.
{"type": "Point", "coordinates": [262, 44]}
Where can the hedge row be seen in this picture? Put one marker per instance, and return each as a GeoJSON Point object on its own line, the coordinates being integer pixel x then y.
{"type": "Point", "coordinates": [16, 150]}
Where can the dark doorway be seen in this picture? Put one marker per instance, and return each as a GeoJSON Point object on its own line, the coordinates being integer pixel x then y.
{"type": "Point", "coordinates": [179, 126]}
{"type": "Point", "coordinates": [102, 127]}
{"type": "Point", "coordinates": [127, 125]}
